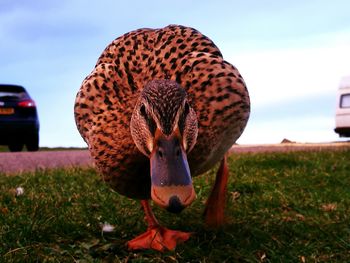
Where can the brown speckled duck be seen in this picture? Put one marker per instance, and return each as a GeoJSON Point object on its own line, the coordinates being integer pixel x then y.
{"type": "Point", "coordinates": [162, 106]}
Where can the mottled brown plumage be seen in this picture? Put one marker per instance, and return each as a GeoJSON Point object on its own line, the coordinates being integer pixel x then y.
{"type": "Point", "coordinates": [214, 92]}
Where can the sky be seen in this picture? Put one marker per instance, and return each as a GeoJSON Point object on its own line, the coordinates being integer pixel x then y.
{"type": "Point", "coordinates": [292, 55]}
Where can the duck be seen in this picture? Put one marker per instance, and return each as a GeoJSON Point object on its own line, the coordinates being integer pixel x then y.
{"type": "Point", "coordinates": [160, 107]}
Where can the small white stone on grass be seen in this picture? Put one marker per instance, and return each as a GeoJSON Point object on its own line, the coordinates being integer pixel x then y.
{"type": "Point", "coordinates": [19, 191]}
{"type": "Point", "coordinates": [106, 227]}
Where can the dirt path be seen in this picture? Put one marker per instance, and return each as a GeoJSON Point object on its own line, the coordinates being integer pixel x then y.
{"type": "Point", "coordinates": [12, 163]}
{"type": "Point", "coordinates": [31, 161]}
{"type": "Point", "coordinates": [289, 147]}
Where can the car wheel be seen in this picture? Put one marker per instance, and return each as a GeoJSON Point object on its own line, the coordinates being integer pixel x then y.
{"type": "Point", "coordinates": [32, 143]}
{"type": "Point", "coordinates": [16, 147]}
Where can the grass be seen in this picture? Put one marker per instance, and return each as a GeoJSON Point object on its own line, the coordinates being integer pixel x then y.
{"type": "Point", "coordinates": [281, 207]}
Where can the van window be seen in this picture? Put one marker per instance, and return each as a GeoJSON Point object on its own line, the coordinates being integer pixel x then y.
{"type": "Point", "coordinates": [345, 101]}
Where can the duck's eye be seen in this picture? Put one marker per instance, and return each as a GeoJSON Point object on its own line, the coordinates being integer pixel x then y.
{"type": "Point", "coordinates": [183, 116]}
{"type": "Point", "coordinates": [187, 109]}
{"type": "Point", "coordinates": [143, 111]}
{"type": "Point", "coordinates": [150, 122]}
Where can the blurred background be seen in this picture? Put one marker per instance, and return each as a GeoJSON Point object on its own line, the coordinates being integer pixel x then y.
{"type": "Point", "coordinates": [292, 55]}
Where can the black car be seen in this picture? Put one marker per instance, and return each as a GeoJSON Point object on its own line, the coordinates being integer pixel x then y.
{"type": "Point", "coordinates": [19, 123]}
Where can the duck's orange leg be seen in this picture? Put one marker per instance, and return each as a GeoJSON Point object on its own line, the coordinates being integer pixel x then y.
{"type": "Point", "coordinates": [156, 237]}
{"type": "Point", "coordinates": [215, 206]}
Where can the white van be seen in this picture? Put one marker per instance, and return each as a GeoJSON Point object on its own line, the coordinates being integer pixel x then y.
{"type": "Point", "coordinates": [342, 114]}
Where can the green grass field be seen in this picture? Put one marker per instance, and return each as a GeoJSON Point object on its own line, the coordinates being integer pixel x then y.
{"type": "Point", "coordinates": [285, 207]}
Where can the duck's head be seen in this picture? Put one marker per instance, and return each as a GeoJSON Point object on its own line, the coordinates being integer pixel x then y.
{"type": "Point", "coordinates": [164, 128]}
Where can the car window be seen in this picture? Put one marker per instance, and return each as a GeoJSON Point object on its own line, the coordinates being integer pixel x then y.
{"type": "Point", "coordinates": [345, 101]}
{"type": "Point", "coordinates": [18, 95]}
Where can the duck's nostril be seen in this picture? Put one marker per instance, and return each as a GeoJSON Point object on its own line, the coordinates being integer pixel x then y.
{"type": "Point", "coordinates": [175, 205]}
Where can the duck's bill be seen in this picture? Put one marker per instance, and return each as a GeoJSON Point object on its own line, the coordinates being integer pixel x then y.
{"type": "Point", "coordinates": [170, 174]}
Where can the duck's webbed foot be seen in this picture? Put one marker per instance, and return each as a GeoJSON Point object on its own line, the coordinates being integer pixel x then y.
{"type": "Point", "coordinates": [156, 237]}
